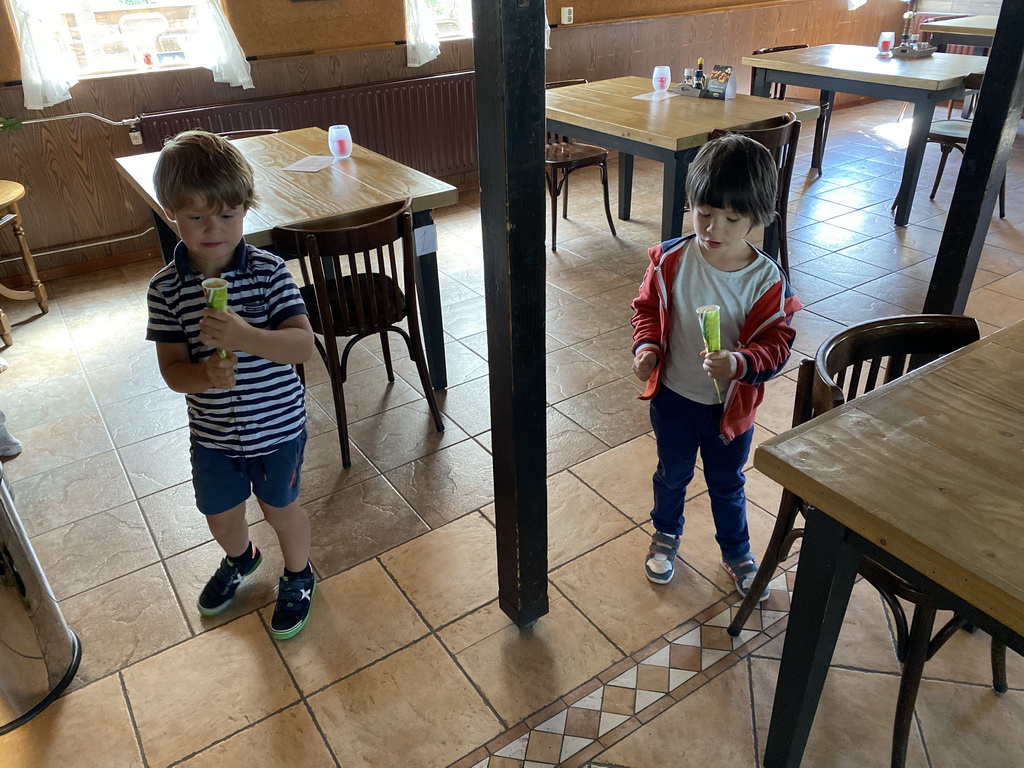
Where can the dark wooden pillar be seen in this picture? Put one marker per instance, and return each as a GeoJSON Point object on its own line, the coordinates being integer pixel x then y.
{"type": "Point", "coordinates": [509, 56]}
{"type": "Point", "coordinates": [983, 167]}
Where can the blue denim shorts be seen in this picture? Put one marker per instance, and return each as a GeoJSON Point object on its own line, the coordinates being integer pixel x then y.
{"type": "Point", "coordinates": [223, 482]}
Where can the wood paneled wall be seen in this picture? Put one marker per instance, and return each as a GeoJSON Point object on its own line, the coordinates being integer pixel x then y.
{"type": "Point", "coordinates": [76, 196]}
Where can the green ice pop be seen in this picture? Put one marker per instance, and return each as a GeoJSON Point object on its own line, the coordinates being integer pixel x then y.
{"type": "Point", "coordinates": [217, 297]}
{"type": "Point", "coordinates": [711, 332]}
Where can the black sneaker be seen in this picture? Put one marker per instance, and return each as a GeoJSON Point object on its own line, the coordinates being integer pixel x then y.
{"type": "Point", "coordinates": [220, 590]}
{"type": "Point", "coordinates": [294, 595]}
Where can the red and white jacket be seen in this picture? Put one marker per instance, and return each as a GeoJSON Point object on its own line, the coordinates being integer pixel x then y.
{"type": "Point", "coordinates": [763, 348]}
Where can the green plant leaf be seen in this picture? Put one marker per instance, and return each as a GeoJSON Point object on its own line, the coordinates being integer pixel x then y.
{"type": "Point", "coordinates": [9, 124]}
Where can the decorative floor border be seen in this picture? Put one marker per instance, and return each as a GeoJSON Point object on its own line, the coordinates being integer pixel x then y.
{"type": "Point", "coordinates": [584, 723]}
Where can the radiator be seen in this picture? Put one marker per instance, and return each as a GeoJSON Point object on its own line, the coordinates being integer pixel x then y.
{"type": "Point", "coordinates": [426, 123]}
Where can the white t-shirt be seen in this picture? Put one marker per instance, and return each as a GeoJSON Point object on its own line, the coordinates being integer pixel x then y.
{"type": "Point", "coordinates": [697, 283]}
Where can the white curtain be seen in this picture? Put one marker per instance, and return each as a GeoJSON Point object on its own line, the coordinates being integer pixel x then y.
{"type": "Point", "coordinates": [547, 29]}
{"type": "Point", "coordinates": [218, 49]}
{"type": "Point", "coordinates": [48, 67]}
{"type": "Point", "coordinates": [421, 44]}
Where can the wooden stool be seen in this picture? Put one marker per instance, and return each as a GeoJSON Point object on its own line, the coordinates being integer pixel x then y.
{"type": "Point", "coordinates": [10, 193]}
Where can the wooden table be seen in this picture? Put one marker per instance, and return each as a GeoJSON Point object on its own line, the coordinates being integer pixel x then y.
{"type": "Point", "coordinates": [287, 198]}
{"type": "Point", "coordinates": [857, 69]}
{"type": "Point", "coordinates": [670, 131]}
{"type": "Point", "coordinates": [925, 476]}
{"type": "Point", "coordinates": [967, 30]}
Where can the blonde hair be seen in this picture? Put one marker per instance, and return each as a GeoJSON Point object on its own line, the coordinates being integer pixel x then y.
{"type": "Point", "coordinates": [202, 167]}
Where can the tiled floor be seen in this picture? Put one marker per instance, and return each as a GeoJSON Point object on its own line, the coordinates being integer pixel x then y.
{"type": "Point", "coordinates": [407, 660]}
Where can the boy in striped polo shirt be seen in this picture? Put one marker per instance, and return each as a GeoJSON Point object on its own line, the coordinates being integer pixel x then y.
{"type": "Point", "coordinates": [247, 413]}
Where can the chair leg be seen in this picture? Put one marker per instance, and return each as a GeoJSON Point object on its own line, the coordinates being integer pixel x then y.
{"type": "Point", "coordinates": [5, 329]}
{"type": "Point", "coordinates": [784, 524]}
{"type": "Point", "coordinates": [338, 389]}
{"type": "Point", "coordinates": [910, 682]}
{"type": "Point", "coordinates": [999, 666]}
{"type": "Point", "coordinates": [415, 345]}
{"type": "Point", "coordinates": [386, 349]}
{"type": "Point", "coordinates": [1002, 198]}
{"type": "Point", "coordinates": [607, 201]}
{"type": "Point", "coordinates": [553, 191]}
{"type": "Point", "coordinates": [38, 290]}
{"type": "Point", "coordinates": [336, 371]}
{"type": "Point", "coordinates": [565, 198]}
{"type": "Point", "coordinates": [903, 111]}
{"type": "Point", "coordinates": [946, 149]}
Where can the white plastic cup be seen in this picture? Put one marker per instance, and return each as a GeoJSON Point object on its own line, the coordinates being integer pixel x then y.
{"type": "Point", "coordinates": [339, 140]}
{"type": "Point", "coordinates": [661, 78]}
{"type": "Point", "coordinates": [886, 42]}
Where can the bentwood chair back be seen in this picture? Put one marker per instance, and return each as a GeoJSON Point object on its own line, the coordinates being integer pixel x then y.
{"type": "Point", "coordinates": [781, 141]}
{"type": "Point", "coordinates": [363, 284]}
{"type": "Point", "coordinates": [849, 364]}
{"type": "Point", "coordinates": [562, 156]}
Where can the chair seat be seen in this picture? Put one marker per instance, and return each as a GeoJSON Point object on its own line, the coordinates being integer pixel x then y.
{"type": "Point", "coordinates": [358, 318]}
{"type": "Point", "coordinates": [950, 130]}
{"type": "Point", "coordinates": [10, 192]}
{"type": "Point", "coordinates": [571, 154]}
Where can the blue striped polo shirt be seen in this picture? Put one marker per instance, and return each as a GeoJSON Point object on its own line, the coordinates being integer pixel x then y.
{"type": "Point", "coordinates": [266, 407]}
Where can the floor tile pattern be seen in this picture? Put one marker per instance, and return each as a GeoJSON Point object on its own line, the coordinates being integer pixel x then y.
{"type": "Point", "coordinates": [408, 658]}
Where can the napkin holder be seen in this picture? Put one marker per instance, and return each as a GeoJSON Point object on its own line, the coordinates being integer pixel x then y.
{"type": "Point", "coordinates": [906, 52]}
{"type": "Point", "coordinates": [684, 89]}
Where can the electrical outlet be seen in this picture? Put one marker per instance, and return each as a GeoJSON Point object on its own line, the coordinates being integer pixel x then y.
{"type": "Point", "coordinates": [567, 15]}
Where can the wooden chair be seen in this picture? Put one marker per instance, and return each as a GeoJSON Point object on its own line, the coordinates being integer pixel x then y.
{"type": "Point", "coordinates": [358, 290]}
{"type": "Point", "coordinates": [781, 140]}
{"type": "Point", "coordinates": [952, 134]}
{"type": "Point", "coordinates": [850, 363]}
{"type": "Point", "coordinates": [10, 193]}
{"type": "Point", "coordinates": [562, 156]}
{"type": "Point", "coordinates": [824, 102]}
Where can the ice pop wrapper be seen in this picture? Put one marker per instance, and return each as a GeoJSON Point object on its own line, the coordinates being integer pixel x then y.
{"type": "Point", "coordinates": [710, 331]}
{"type": "Point", "coordinates": [217, 297]}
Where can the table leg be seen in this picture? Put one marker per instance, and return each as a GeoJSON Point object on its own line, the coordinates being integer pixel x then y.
{"type": "Point", "coordinates": [828, 567]}
{"type": "Point", "coordinates": [430, 297]}
{"type": "Point", "coordinates": [625, 185]}
{"type": "Point", "coordinates": [673, 194]}
{"type": "Point", "coordinates": [924, 111]}
{"type": "Point", "coordinates": [168, 238]}
{"type": "Point", "coordinates": [826, 101]}
{"type": "Point", "coordinates": [759, 85]}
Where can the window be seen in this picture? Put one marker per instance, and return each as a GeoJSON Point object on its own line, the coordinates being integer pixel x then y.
{"type": "Point", "coordinates": [60, 40]}
{"type": "Point", "coordinates": [111, 36]}
{"type": "Point", "coordinates": [454, 17]}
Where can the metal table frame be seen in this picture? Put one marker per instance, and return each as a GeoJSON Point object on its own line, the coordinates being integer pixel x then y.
{"type": "Point", "coordinates": [829, 556]}
{"type": "Point", "coordinates": [924, 102]}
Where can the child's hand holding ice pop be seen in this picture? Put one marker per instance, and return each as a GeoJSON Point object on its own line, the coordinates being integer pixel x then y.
{"type": "Point", "coordinates": [720, 365]}
{"type": "Point", "coordinates": [709, 317]}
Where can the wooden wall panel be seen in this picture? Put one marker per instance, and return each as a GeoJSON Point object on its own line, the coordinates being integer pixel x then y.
{"type": "Point", "coordinates": [595, 11]}
{"type": "Point", "coordinates": [323, 25]}
{"type": "Point", "coordinates": [76, 196]}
